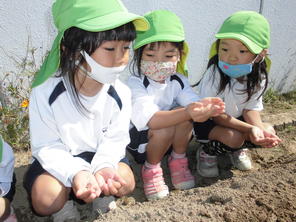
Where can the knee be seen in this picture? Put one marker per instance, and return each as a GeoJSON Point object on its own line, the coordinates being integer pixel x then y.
{"type": "Point", "coordinates": [47, 205]}
{"type": "Point", "coordinates": [187, 125]}
{"type": "Point", "coordinates": [164, 134]}
{"type": "Point", "coordinates": [46, 201]}
{"type": "Point", "coordinates": [233, 138]}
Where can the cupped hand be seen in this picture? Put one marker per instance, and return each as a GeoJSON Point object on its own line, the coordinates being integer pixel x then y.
{"type": "Point", "coordinates": [263, 138]}
{"type": "Point", "coordinates": [206, 108]}
{"type": "Point", "coordinates": [85, 186]}
{"type": "Point", "coordinates": [112, 181]}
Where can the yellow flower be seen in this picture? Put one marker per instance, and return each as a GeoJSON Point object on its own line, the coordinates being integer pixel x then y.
{"type": "Point", "coordinates": [25, 103]}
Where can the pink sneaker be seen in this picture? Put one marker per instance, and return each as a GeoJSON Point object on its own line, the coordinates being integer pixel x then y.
{"type": "Point", "coordinates": [154, 185]}
{"type": "Point", "coordinates": [181, 176]}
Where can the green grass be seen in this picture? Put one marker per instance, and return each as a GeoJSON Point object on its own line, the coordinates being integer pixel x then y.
{"type": "Point", "coordinates": [271, 96]}
{"type": "Point", "coordinates": [276, 102]}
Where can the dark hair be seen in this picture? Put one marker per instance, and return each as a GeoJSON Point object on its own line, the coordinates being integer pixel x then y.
{"type": "Point", "coordinates": [76, 40]}
{"type": "Point", "coordinates": [135, 66]}
{"type": "Point", "coordinates": [254, 79]}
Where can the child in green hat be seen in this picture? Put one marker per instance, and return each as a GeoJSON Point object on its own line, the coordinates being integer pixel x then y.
{"type": "Point", "coordinates": [7, 182]}
{"type": "Point", "coordinates": [237, 73]}
{"type": "Point", "coordinates": [163, 104]}
{"type": "Point", "coordinates": [80, 112]}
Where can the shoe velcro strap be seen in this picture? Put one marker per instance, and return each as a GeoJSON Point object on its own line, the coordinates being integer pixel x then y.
{"type": "Point", "coordinates": [216, 148]}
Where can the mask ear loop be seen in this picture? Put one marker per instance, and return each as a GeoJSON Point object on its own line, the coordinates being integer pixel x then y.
{"type": "Point", "coordinates": [263, 58]}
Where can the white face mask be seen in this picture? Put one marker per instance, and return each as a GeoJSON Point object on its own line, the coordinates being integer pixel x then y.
{"type": "Point", "coordinates": [102, 74]}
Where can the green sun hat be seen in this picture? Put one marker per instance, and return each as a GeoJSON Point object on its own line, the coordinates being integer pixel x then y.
{"type": "Point", "coordinates": [164, 26]}
{"type": "Point", "coordinates": [89, 15]}
{"type": "Point", "coordinates": [249, 27]}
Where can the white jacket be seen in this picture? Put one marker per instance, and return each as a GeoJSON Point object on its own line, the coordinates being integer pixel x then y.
{"type": "Point", "coordinates": [58, 131]}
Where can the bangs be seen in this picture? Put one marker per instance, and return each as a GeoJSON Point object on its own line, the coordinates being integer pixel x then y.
{"type": "Point", "coordinates": [156, 45]}
{"type": "Point", "coordinates": [125, 32]}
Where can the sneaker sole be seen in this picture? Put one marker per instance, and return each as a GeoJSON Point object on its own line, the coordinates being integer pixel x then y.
{"type": "Point", "coordinates": [185, 185]}
{"type": "Point", "coordinates": [159, 195]}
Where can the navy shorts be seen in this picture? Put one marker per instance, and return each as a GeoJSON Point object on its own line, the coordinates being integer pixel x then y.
{"type": "Point", "coordinates": [202, 130]}
{"type": "Point", "coordinates": [9, 196]}
{"type": "Point", "coordinates": [139, 138]}
{"type": "Point", "coordinates": [35, 170]}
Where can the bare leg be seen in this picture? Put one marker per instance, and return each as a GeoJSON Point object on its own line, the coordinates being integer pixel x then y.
{"type": "Point", "coordinates": [182, 137]}
{"type": "Point", "coordinates": [159, 142]}
{"type": "Point", "coordinates": [48, 195]}
{"type": "Point", "coordinates": [228, 136]}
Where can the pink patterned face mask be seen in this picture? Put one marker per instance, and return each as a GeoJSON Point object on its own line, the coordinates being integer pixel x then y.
{"type": "Point", "coordinates": [158, 71]}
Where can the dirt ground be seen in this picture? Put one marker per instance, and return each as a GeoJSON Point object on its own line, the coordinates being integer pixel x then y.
{"type": "Point", "coordinates": [266, 193]}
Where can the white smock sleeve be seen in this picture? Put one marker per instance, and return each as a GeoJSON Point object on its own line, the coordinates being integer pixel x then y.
{"type": "Point", "coordinates": [209, 84]}
{"type": "Point", "coordinates": [46, 143]}
{"type": "Point", "coordinates": [255, 102]}
{"type": "Point", "coordinates": [6, 167]}
{"type": "Point", "coordinates": [187, 95]}
{"type": "Point", "coordinates": [113, 146]}
{"type": "Point", "coordinates": [143, 105]}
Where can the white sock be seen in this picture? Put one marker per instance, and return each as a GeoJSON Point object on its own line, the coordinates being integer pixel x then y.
{"type": "Point", "coordinates": [177, 155]}
{"type": "Point", "coordinates": [151, 166]}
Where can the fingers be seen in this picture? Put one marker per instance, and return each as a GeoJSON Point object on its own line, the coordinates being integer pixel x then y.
{"type": "Point", "coordinates": [102, 184]}
{"type": "Point", "coordinates": [115, 184]}
{"type": "Point", "coordinates": [266, 142]}
{"type": "Point", "coordinates": [212, 100]}
{"type": "Point", "coordinates": [85, 186]}
{"type": "Point", "coordinates": [119, 179]}
{"type": "Point", "coordinates": [88, 193]}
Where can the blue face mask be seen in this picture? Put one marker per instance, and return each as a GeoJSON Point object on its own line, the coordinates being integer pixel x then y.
{"type": "Point", "coordinates": [236, 71]}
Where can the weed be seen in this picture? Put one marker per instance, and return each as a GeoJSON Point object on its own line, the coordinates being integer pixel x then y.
{"type": "Point", "coordinates": [14, 101]}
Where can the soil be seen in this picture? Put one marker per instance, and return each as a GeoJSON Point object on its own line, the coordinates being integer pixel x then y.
{"type": "Point", "coordinates": [265, 193]}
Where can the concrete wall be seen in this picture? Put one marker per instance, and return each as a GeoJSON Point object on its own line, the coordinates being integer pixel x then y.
{"type": "Point", "coordinates": [27, 25]}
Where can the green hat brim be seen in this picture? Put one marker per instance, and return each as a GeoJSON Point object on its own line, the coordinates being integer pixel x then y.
{"type": "Point", "coordinates": [113, 20]}
{"type": "Point", "coordinates": [158, 38]}
{"type": "Point", "coordinates": [254, 48]}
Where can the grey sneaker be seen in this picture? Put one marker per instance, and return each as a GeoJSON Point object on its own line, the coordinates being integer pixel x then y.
{"type": "Point", "coordinates": [240, 160]}
{"type": "Point", "coordinates": [207, 165]}
{"type": "Point", "coordinates": [104, 204]}
{"type": "Point", "coordinates": [68, 213]}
